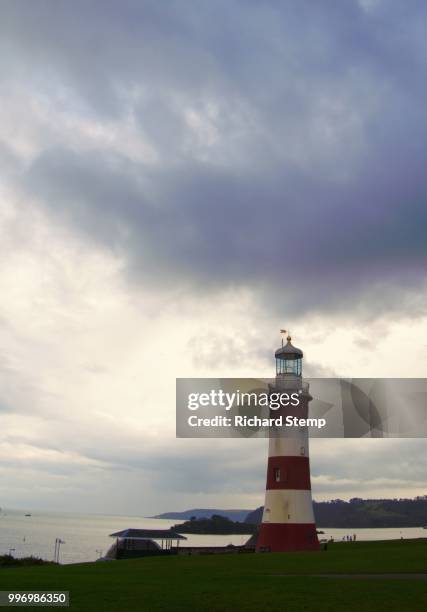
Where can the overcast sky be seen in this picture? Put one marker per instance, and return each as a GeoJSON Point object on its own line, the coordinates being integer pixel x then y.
{"type": "Point", "coordinates": [178, 180]}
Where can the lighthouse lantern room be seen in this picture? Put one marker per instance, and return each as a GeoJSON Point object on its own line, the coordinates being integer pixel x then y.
{"type": "Point", "coordinates": [288, 360]}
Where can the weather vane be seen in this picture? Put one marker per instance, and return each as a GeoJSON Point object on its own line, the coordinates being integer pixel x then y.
{"type": "Point", "coordinates": [284, 331]}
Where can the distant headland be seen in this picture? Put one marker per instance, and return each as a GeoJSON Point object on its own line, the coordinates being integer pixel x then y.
{"type": "Point", "coordinates": [198, 513]}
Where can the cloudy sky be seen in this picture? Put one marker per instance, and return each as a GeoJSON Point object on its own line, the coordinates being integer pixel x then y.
{"type": "Point", "coordinates": [178, 180]}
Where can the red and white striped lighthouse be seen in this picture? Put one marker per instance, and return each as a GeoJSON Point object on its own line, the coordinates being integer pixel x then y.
{"type": "Point", "coordinates": [288, 518]}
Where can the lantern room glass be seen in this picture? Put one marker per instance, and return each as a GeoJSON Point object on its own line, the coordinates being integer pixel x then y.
{"type": "Point", "coordinates": [288, 366]}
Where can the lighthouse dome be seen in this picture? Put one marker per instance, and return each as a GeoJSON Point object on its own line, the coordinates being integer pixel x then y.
{"type": "Point", "coordinates": [288, 351]}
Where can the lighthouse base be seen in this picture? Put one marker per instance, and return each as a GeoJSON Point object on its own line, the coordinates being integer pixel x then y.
{"type": "Point", "coordinates": [287, 537]}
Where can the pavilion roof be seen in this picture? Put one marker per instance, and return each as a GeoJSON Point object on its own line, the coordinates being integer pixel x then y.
{"type": "Point", "coordinates": [148, 534]}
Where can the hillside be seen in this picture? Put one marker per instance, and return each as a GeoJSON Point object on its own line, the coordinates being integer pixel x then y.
{"type": "Point", "coordinates": [216, 524]}
{"type": "Point", "coordinates": [368, 513]}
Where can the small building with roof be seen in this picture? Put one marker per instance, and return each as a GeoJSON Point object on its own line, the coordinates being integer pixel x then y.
{"type": "Point", "coordinates": [133, 543]}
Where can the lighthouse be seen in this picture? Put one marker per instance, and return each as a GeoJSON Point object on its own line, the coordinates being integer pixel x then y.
{"type": "Point", "coordinates": [288, 517]}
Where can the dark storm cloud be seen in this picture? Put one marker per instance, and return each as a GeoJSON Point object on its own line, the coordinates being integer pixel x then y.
{"type": "Point", "coordinates": [303, 175]}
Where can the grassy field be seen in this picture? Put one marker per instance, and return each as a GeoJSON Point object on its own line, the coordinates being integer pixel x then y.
{"type": "Point", "coordinates": [269, 582]}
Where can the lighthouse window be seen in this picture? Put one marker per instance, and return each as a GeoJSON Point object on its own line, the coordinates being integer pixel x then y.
{"type": "Point", "coordinates": [302, 450]}
{"type": "Point", "coordinates": [288, 366]}
{"type": "Point", "coordinates": [277, 474]}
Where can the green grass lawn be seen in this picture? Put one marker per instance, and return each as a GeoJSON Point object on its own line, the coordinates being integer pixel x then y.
{"type": "Point", "coordinates": [269, 582]}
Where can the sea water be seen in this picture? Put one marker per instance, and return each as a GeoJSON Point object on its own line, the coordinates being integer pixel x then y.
{"type": "Point", "coordinates": [86, 536]}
